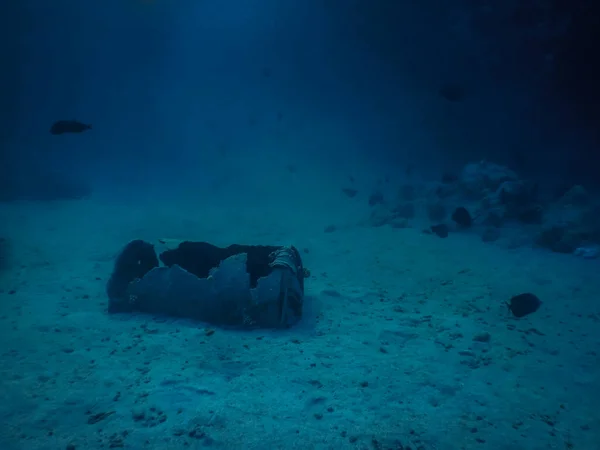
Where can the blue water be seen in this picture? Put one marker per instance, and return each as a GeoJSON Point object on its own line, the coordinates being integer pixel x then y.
{"type": "Point", "coordinates": [351, 130]}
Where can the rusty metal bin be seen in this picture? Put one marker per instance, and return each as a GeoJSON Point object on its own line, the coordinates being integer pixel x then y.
{"type": "Point", "coordinates": [240, 285]}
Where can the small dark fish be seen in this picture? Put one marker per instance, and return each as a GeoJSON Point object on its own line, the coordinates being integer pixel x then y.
{"type": "Point", "coordinates": [350, 192]}
{"type": "Point", "coordinates": [524, 304]}
{"type": "Point", "coordinates": [375, 198]}
{"type": "Point", "coordinates": [452, 92]}
{"type": "Point", "coordinates": [441, 230]}
{"type": "Point", "coordinates": [462, 217]}
{"type": "Point", "coordinates": [69, 126]}
{"type": "Point", "coordinates": [449, 178]}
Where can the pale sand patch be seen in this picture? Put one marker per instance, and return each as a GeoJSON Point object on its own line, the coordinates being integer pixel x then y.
{"type": "Point", "coordinates": [393, 348]}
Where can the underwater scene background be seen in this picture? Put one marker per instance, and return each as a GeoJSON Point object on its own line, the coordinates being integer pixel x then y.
{"type": "Point", "coordinates": [288, 224]}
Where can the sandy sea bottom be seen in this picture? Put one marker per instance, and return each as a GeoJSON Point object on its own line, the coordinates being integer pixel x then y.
{"type": "Point", "coordinates": [406, 342]}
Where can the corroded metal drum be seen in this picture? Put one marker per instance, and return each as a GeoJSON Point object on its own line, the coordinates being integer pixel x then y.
{"type": "Point", "coordinates": [239, 285]}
